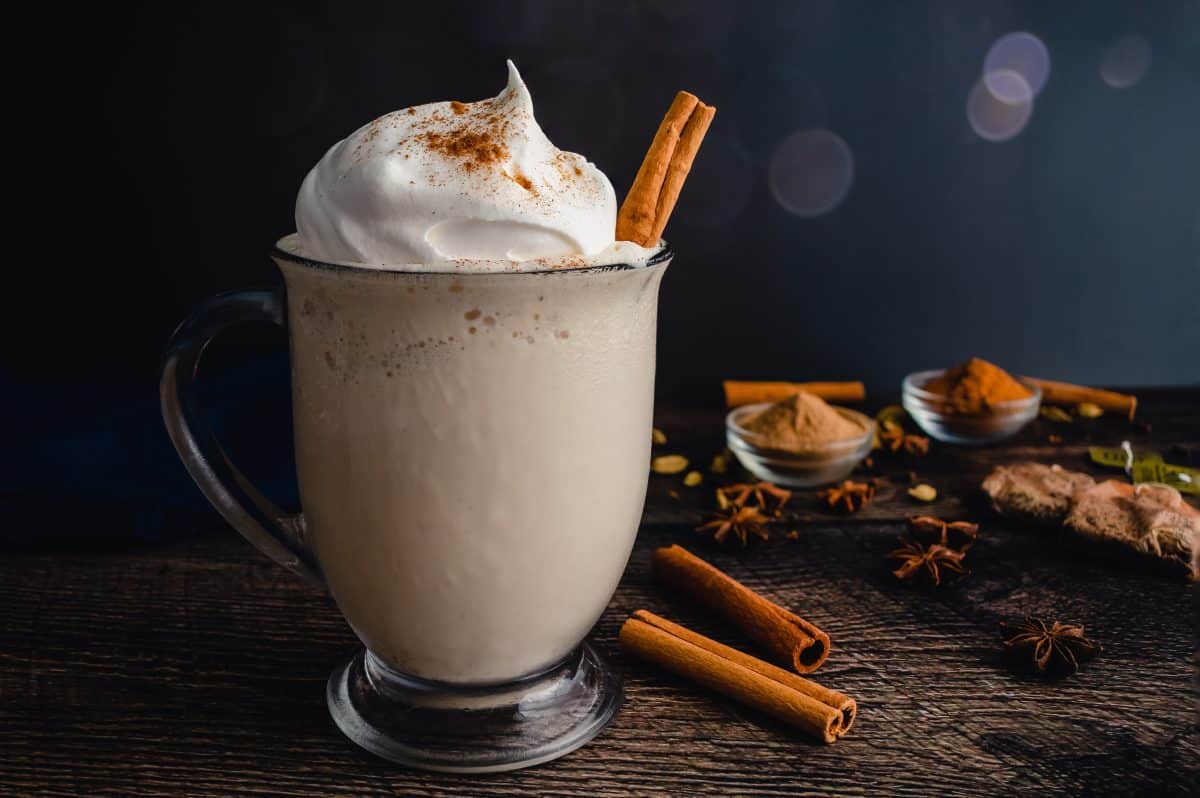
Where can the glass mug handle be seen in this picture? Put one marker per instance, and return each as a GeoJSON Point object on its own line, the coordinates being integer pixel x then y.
{"type": "Point", "coordinates": [277, 534]}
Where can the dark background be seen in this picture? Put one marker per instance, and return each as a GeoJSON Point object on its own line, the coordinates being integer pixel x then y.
{"type": "Point", "coordinates": [159, 150]}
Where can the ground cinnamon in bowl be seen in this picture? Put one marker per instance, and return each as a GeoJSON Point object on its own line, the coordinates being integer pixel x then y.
{"type": "Point", "coordinates": [801, 422]}
{"type": "Point", "coordinates": [976, 387]}
{"type": "Point", "coordinates": [799, 441]}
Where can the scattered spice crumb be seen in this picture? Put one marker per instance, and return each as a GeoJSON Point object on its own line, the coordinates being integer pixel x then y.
{"type": "Point", "coordinates": [524, 182]}
{"type": "Point", "coordinates": [720, 463]}
{"type": "Point", "coordinates": [793, 535]}
{"type": "Point", "coordinates": [692, 479]}
{"type": "Point", "coordinates": [1089, 410]}
{"type": "Point", "coordinates": [658, 437]}
{"type": "Point", "coordinates": [923, 492]}
{"type": "Point", "coordinates": [1054, 439]}
{"type": "Point", "coordinates": [722, 500]}
{"type": "Point", "coordinates": [669, 464]}
{"type": "Point", "coordinates": [1055, 414]}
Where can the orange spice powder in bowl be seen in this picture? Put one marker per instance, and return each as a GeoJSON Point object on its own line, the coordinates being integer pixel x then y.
{"type": "Point", "coordinates": [971, 403]}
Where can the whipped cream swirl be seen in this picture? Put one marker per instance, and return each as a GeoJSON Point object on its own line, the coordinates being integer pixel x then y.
{"type": "Point", "coordinates": [477, 185]}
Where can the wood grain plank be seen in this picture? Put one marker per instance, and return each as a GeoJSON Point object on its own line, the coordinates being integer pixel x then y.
{"type": "Point", "coordinates": [197, 668]}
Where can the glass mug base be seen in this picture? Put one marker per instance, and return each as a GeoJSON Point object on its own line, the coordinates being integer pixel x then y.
{"type": "Point", "coordinates": [457, 729]}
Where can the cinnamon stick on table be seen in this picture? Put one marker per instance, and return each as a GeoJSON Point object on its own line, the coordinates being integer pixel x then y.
{"type": "Point", "coordinates": [786, 637]}
{"type": "Point", "coordinates": [1065, 393]}
{"type": "Point", "coordinates": [749, 393]}
{"type": "Point", "coordinates": [824, 713]}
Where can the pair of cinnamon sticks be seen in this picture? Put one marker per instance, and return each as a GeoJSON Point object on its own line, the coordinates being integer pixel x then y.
{"type": "Point", "coordinates": [786, 637]}
{"type": "Point", "coordinates": [651, 198]}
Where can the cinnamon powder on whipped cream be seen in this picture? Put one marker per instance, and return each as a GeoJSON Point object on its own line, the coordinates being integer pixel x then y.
{"type": "Point", "coordinates": [801, 421]}
{"type": "Point", "coordinates": [475, 147]}
{"type": "Point", "coordinates": [474, 184]}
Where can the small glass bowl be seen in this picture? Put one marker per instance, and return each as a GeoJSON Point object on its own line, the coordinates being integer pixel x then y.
{"type": "Point", "coordinates": [933, 414]}
{"type": "Point", "coordinates": [822, 465]}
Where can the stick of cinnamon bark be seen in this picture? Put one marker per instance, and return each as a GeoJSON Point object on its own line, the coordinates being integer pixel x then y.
{"type": "Point", "coordinates": [824, 713]}
{"type": "Point", "coordinates": [785, 636]}
{"type": "Point", "coordinates": [1065, 393]}
{"type": "Point", "coordinates": [651, 198]}
{"type": "Point", "coordinates": [750, 393]}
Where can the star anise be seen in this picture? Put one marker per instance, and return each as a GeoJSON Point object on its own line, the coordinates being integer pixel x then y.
{"type": "Point", "coordinates": [767, 497]}
{"type": "Point", "coordinates": [956, 535]}
{"type": "Point", "coordinates": [921, 562]}
{"type": "Point", "coordinates": [738, 521]}
{"type": "Point", "coordinates": [849, 496]}
{"type": "Point", "coordinates": [893, 438]}
{"type": "Point", "coordinates": [1057, 649]}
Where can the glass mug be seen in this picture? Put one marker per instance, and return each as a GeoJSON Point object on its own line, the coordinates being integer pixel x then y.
{"type": "Point", "coordinates": [471, 450]}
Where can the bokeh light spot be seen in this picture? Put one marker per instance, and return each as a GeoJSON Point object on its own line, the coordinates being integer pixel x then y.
{"type": "Point", "coordinates": [1022, 53]}
{"type": "Point", "coordinates": [811, 172]}
{"type": "Point", "coordinates": [1125, 62]}
{"type": "Point", "coordinates": [992, 117]}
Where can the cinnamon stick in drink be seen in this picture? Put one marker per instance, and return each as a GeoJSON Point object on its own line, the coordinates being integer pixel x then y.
{"type": "Point", "coordinates": [680, 165]}
{"type": "Point", "coordinates": [817, 710]}
{"type": "Point", "coordinates": [651, 198]}
{"type": "Point", "coordinates": [786, 637]}
{"type": "Point", "coordinates": [751, 393]}
{"type": "Point", "coordinates": [1065, 393]}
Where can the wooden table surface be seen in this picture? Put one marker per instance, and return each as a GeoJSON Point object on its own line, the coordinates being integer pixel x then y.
{"type": "Point", "coordinates": [198, 667]}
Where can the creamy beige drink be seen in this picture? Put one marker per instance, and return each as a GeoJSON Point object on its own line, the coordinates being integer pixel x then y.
{"type": "Point", "coordinates": [471, 436]}
{"type": "Point", "coordinates": [473, 378]}
{"type": "Point", "coordinates": [472, 455]}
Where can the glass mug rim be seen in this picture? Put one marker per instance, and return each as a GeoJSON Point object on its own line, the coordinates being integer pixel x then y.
{"type": "Point", "coordinates": [281, 251]}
